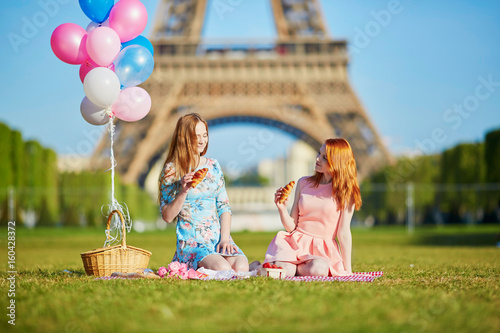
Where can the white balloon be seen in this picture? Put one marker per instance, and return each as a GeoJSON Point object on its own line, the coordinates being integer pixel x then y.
{"type": "Point", "coordinates": [102, 86]}
{"type": "Point", "coordinates": [93, 114]}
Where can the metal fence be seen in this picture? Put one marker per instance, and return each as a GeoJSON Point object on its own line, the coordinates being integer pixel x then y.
{"type": "Point", "coordinates": [409, 204]}
{"type": "Point", "coordinates": [414, 204]}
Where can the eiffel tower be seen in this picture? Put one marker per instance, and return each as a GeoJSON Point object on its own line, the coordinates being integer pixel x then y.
{"type": "Point", "coordinates": [298, 83]}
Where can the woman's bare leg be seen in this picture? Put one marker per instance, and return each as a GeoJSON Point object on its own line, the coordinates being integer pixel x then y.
{"type": "Point", "coordinates": [215, 262]}
{"type": "Point", "coordinates": [290, 269]}
{"type": "Point", "coordinates": [314, 267]}
{"type": "Point", "coordinates": [238, 263]}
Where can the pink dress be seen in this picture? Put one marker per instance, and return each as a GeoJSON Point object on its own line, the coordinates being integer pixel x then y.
{"type": "Point", "coordinates": [314, 236]}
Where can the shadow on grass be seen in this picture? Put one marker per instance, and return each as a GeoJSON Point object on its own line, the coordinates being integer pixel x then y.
{"type": "Point", "coordinates": [479, 239]}
{"type": "Point", "coordinates": [51, 273]}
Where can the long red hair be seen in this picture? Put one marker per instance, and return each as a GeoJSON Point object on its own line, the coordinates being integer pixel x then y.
{"type": "Point", "coordinates": [183, 150]}
{"type": "Point", "coordinates": [344, 173]}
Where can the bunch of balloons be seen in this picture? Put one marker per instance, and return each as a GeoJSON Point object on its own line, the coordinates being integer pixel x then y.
{"type": "Point", "coordinates": [113, 57]}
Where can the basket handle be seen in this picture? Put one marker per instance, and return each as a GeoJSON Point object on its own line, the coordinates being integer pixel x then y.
{"type": "Point", "coordinates": [124, 243]}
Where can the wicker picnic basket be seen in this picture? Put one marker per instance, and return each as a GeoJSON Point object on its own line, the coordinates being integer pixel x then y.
{"type": "Point", "coordinates": [119, 258]}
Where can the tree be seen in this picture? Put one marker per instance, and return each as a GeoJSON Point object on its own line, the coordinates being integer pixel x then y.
{"type": "Point", "coordinates": [492, 161]}
{"type": "Point", "coordinates": [384, 193]}
{"type": "Point", "coordinates": [461, 165]}
{"type": "Point", "coordinates": [17, 158]}
{"type": "Point", "coordinates": [49, 214]}
{"type": "Point", "coordinates": [492, 156]}
{"type": "Point", "coordinates": [6, 174]}
{"type": "Point", "coordinates": [33, 169]}
{"type": "Point", "coordinates": [17, 155]}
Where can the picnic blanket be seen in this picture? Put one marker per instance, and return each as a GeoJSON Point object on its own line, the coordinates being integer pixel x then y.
{"type": "Point", "coordinates": [231, 275]}
{"type": "Point", "coordinates": [209, 274]}
{"type": "Point", "coordinates": [355, 277]}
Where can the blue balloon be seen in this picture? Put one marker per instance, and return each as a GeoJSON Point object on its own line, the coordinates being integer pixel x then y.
{"type": "Point", "coordinates": [142, 41]}
{"type": "Point", "coordinates": [97, 10]}
{"type": "Point", "coordinates": [133, 65]}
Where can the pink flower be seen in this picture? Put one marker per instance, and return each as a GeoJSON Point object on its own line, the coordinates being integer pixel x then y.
{"type": "Point", "coordinates": [162, 271]}
{"type": "Point", "coordinates": [192, 274]}
{"type": "Point", "coordinates": [183, 271]}
{"type": "Point", "coordinates": [175, 270]}
{"type": "Point", "coordinates": [183, 268]}
{"type": "Point", "coordinates": [174, 267]}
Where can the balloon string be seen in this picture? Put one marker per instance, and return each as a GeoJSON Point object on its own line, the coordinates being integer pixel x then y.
{"type": "Point", "coordinates": [115, 225]}
{"type": "Point", "coordinates": [111, 129]}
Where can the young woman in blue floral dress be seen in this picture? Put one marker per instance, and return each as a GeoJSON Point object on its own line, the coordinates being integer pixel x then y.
{"type": "Point", "coordinates": [203, 212]}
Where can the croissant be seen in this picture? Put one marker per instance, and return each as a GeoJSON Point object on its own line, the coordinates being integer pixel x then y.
{"type": "Point", "coordinates": [286, 191]}
{"type": "Point", "coordinates": [198, 177]}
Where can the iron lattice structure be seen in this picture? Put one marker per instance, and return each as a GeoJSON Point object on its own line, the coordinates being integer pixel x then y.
{"type": "Point", "coordinates": [297, 83]}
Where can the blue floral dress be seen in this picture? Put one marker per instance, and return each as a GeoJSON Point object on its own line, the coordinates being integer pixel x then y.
{"type": "Point", "coordinates": [198, 222]}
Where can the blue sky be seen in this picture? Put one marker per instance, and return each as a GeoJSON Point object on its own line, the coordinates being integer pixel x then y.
{"type": "Point", "coordinates": [421, 72]}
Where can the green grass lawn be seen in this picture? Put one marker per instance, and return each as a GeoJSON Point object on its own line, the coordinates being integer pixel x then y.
{"type": "Point", "coordinates": [437, 280]}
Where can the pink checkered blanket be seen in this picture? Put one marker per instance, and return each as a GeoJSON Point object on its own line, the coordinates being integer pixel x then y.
{"type": "Point", "coordinates": [356, 277]}
{"type": "Point", "coordinates": [232, 275]}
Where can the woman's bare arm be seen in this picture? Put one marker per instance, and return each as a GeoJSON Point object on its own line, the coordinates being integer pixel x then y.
{"type": "Point", "coordinates": [345, 238]}
{"type": "Point", "coordinates": [289, 221]}
{"type": "Point", "coordinates": [170, 211]}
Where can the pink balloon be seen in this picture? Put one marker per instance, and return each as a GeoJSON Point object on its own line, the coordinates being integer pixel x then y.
{"type": "Point", "coordinates": [103, 45]}
{"type": "Point", "coordinates": [133, 104]}
{"type": "Point", "coordinates": [89, 65]}
{"type": "Point", "coordinates": [128, 18]}
{"type": "Point", "coordinates": [68, 42]}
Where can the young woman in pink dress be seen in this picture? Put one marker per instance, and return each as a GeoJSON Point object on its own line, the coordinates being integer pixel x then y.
{"type": "Point", "coordinates": [317, 240]}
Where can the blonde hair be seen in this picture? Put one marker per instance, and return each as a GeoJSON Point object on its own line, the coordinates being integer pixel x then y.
{"type": "Point", "coordinates": [344, 174]}
{"type": "Point", "coordinates": [183, 151]}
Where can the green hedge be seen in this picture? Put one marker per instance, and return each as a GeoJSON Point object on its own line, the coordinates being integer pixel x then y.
{"type": "Point", "coordinates": [59, 198]}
